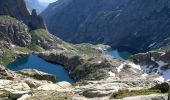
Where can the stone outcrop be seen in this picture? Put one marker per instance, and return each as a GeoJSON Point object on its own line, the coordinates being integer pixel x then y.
{"type": "Point", "coordinates": [18, 10]}
{"type": "Point", "coordinates": [92, 66]}
{"type": "Point", "coordinates": [14, 31]}
{"type": "Point", "coordinates": [136, 25]}
{"type": "Point", "coordinates": [5, 74]}
{"type": "Point", "coordinates": [38, 75]}
{"type": "Point", "coordinates": [80, 68]}
{"type": "Point", "coordinates": [24, 86]}
{"type": "Point", "coordinates": [153, 62]}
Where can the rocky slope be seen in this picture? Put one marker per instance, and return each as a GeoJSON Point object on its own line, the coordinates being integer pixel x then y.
{"type": "Point", "coordinates": [85, 62]}
{"type": "Point", "coordinates": [22, 32]}
{"type": "Point", "coordinates": [36, 85]}
{"type": "Point", "coordinates": [154, 62]}
{"type": "Point", "coordinates": [135, 24]}
{"type": "Point", "coordinates": [35, 4]}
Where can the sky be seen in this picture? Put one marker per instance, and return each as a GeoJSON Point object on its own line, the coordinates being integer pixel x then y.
{"type": "Point", "coordinates": [49, 1]}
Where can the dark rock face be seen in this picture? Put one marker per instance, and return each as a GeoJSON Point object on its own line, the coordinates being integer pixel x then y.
{"type": "Point", "coordinates": [140, 24]}
{"type": "Point", "coordinates": [17, 9]}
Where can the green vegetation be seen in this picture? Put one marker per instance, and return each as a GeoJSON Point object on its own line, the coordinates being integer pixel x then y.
{"type": "Point", "coordinates": [126, 93]}
{"type": "Point", "coordinates": [7, 57]}
{"type": "Point", "coordinates": [4, 94]}
{"type": "Point", "coordinates": [164, 49]}
{"type": "Point", "coordinates": [11, 21]}
{"type": "Point", "coordinates": [86, 49]}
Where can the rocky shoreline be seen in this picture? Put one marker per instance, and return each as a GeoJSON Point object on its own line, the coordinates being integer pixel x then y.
{"type": "Point", "coordinates": [31, 84]}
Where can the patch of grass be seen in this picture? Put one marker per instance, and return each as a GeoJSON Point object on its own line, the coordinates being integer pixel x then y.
{"type": "Point", "coordinates": [41, 34]}
{"type": "Point", "coordinates": [126, 93]}
{"type": "Point", "coordinates": [4, 94]}
{"type": "Point", "coordinates": [86, 49]}
{"type": "Point", "coordinates": [34, 47]}
{"type": "Point", "coordinates": [11, 21]}
{"type": "Point", "coordinates": [23, 49]}
{"type": "Point", "coordinates": [7, 57]}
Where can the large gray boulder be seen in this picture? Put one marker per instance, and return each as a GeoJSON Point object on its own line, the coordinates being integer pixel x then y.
{"type": "Point", "coordinates": [37, 75]}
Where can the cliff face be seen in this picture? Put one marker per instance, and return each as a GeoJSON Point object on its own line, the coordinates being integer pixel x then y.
{"type": "Point", "coordinates": [135, 24]}
{"type": "Point", "coordinates": [17, 9]}
{"type": "Point", "coordinates": [14, 31]}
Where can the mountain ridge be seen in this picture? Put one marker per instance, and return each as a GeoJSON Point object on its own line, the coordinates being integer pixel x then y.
{"type": "Point", "coordinates": [140, 25]}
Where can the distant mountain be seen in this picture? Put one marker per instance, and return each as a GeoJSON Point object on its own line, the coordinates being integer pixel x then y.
{"type": "Point", "coordinates": [35, 4]}
{"type": "Point", "coordinates": [135, 24]}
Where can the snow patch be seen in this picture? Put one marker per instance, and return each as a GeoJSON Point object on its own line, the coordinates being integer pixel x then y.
{"type": "Point", "coordinates": [152, 58]}
{"type": "Point", "coordinates": [99, 62]}
{"type": "Point", "coordinates": [161, 79]}
{"type": "Point", "coordinates": [144, 75]}
{"type": "Point", "coordinates": [12, 45]}
{"type": "Point", "coordinates": [120, 68]}
{"type": "Point", "coordinates": [135, 66]}
{"type": "Point", "coordinates": [112, 74]}
{"type": "Point", "coordinates": [163, 53]}
{"type": "Point", "coordinates": [152, 44]}
{"type": "Point", "coordinates": [161, 63]}
{"type": "Point", "coordinates": [166, 74]}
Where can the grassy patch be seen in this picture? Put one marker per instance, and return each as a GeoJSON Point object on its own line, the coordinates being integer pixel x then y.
{"type": "Point", "coordinates": [4, 94]}
{"type": "Point", "coordinates": [86, 49]}
{"type": "Point", "coordinates": [34, 47]}
{"type": "Point", "coordinates": [8, 56]}
{"type": "Point", "coordinates": [123, 94]}
{"type": "Point", "coordinates": [41, 34]}
{"type": "Point", "coordinates": [7, 20]}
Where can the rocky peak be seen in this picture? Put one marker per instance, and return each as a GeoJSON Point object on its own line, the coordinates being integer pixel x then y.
{"type": "Point", "coordinates": [18, 9]}
{"type": "Point", "coordinates": [34, 13]}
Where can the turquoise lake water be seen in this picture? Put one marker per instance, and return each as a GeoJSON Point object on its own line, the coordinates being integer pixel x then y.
{"type": "Point", "coordinates": [123, 55]}
{"type": "Point", "coordinates": [35, 62]}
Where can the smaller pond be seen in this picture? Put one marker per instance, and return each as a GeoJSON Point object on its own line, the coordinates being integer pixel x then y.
{"type": "Point", "coordinates": [123, 55]}
{"type": "Point", "coordinates": [35, 62]}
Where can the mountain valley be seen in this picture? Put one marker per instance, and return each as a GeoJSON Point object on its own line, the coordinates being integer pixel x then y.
{"type": "Point", "coordinates": [27, 41]}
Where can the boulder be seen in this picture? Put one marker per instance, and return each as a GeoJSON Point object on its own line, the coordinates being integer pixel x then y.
{"type": "Point", "coordinates": [49, 87]}
{"type": "Point", "coordinates": [35, 83]}
{"type": "Point", "coordinates": [5, 74]}
{"type": "Point", "coordinates": [19, 94]}
{"type": "Point", "coordinates": [15, 88]}
{"type": "Point", "coordinates": [100, 89]}
{"type": "Point", "coordinates": [37, 75]}
{"type": "Point", "coordinates": [24, 97]}
{"type": "Point", "coordinates": [64, 85]}
{"type": "Point", "coordinates": [148, 97]}
{"type": "Point", "coordinates": [57, 86]}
